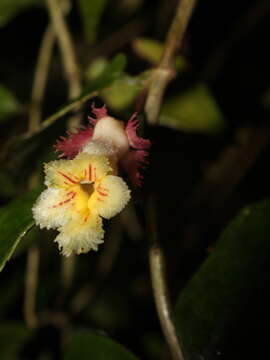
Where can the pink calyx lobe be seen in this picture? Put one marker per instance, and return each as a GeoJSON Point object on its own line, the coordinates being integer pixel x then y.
{"type": "Point", "coordinates": [98, 112]}
{"type": "Point", "coordinates": [130, 149]}
{"type": "Point", "coordinates": [131, 129]}
{"type": "Point", "coordinates": [71, 145]}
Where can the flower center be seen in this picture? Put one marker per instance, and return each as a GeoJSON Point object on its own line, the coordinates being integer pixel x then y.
{"type": "Point", "coordinates": [84, 192]}
{"type": "Point", "coordinates": [87, 188]}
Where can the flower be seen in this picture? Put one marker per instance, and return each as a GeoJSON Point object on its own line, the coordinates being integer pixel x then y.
{"type": "Point", "coordinates": [80, 192]}
{"type": "Point", "coordinates": [121, 141]}
{"type": "Point", "coordinates": [83, 186]}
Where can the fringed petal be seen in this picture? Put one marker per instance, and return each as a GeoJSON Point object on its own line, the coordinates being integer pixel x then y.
{"type": "Point", "coordinates": [53, 208]}
{"type": "Point", "coordinates": [77, 237]}
{"type": "Point", "coordinates": [133, 162]}
{"type": "Point", "coordinates": [110, 196]}
{"type": "Point", "coordinates": [71, 145]}
{"type": "Point", "coordinates": [135, 141]}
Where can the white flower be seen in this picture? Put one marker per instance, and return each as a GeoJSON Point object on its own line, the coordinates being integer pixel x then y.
{"type": "Point", "coordinates": [80, 192]}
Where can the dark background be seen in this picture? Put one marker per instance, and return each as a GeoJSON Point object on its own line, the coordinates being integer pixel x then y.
{"type": "Point", "coordinates": [226, 45]}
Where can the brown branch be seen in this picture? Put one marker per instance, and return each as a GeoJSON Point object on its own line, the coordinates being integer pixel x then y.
{"type": "Point", "coordinates": [45, 124]}
{"type": "Point", "coordinates": [31, 281]}
{"type": "Point", "coordinates": [66, 47]}
{"type": "Point", "coordinates": [68, 53]}
{"type": "Point", "coordinates": [89, 292]}
{"type": "Point", "coordinates": [159, 284]}
{"type": "Point", "coordinates": [51, 119]}
{"type": "Point", "coordinates": [40, 77]}
{"type": "Point", "coordinates": [160, 79]}
{"type": "Point", "coordinates": [163, 74]}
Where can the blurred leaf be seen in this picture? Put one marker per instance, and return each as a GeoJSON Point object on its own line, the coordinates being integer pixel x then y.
{"type": "Point", "coordinates": [10, 8]}
{"type": "Point", "coordinates": [91, 12]}
{"type": "Point", "coordinates": [151, 50]}
{"type": "Point", "coordinates": [111, 72]}
{"type": "Point", "coordinates": [15, 220]}
{"type": "Point", "coordinates": [7, 185]}
{"type": "Point", "coordinates": [12, 338]}
{"type": "Point", "coordinates": [95, 69]}
{"type": "Point", "coordinates": [207, 308]}
{"type": "Point", "coordinates": [8, 103]}
{"type": "Point", "coordinates": [124, 91]}
{"type": "Point", "coordinates": [87, 345]}
{"type": "Point", "coordinates": [194, 110]}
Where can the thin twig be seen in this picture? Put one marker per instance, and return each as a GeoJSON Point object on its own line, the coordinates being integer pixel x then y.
{"type": "Point", "coordinates": [159, 284]}
{"type": "Point", "coordinates": [33, 253]}
{"type": "Point", "coordinates": [89, 292]}
{"type": "Point", "coordinates": [40, 77]}
{"type": "Point", "coordinates": [67, 271]}
{"type": "Point", "coordinates": [46, 123]}
{"type": "Point", "coordinates": [51, 119]}
{"type": "Point", "coordinates": [163, 74]}
{"type": "Point", "coordinates": [31, 281]}
{"type": "Point", "coordinates": [161, 77]}
{"type": "Point", "coordinates": [66, 47]}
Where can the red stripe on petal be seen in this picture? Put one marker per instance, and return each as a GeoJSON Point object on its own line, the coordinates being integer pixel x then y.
{"type": "Point", "coordinates": [102, 193]}
{"type": "Point", "coordinates": [90, 172]}
{"type": "Point", "coordinates": [68, 178]}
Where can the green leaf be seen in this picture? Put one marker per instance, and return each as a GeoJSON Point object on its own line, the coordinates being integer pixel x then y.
{"type": "Point", "coordinates": [10, 8]}
{"type": "Point", "coordinates": [96, 68]}
{"type": "Point", "coordinates": [151, 50]}
{"type": "Point", "coordinates": [124, 91]}
{"type": "Point", "coordinates": [8, 104]}
{"type": "Point", "coordinates": [111, 72]}
{"type": "Point", "coordinates": [91, 12]}
{"type": "Point", "coordinates": [208, 308]}
{"type": "Point", "coordinates": [15, 220]}
{"type": "Point", "coordinates": [195, 110]}
{"type": "Point", "coordinates": [12, 338]}
{"type": "Point", "coordinates": [87, 345]}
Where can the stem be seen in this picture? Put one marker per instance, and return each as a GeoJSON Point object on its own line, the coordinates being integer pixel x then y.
{"type": "Point", "coordinates": [40, 77]}
{"type": "Point", "coordinates": [66, 48]}
{"type": "Point", "coordinates": [51, 119]}
{"type": "Point", "coordinates": [165, 71]}
{"type": "Point", "coordinates": [33, 253]}
{"type": "Point", "coordinates": [31, 280]}
{"type": "Point", "coordinates": [159, 284]}
{"type": "Point", "coordinates": [67, 271]}
{"type": "Point", "coordinates": [161, 78]}
{"type": "Point", "coordinates": [90, 291]}
{"type": "Point", "coordinates": [46, 123]}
